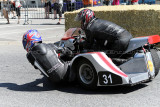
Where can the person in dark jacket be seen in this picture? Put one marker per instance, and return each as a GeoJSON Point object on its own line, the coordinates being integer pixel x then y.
{"type": "Point", "coordinates": [103, 33]}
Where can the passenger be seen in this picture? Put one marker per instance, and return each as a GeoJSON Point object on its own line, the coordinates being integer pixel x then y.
{"type": "Point", "coordinates": [45, 55]}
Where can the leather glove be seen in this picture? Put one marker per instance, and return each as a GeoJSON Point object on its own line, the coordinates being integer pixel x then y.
{"type": "Point", "coordinates": [65, 51]}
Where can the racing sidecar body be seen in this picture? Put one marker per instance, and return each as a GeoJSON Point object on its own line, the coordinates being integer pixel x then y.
{"type": "Point", "coordinates": [139, 63]}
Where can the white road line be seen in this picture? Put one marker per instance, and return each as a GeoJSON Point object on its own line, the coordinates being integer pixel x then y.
{"type": "Point", "coordinates": [37, 29]}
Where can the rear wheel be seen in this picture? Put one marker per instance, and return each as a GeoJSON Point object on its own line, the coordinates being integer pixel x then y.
{"type": "Point", "coordinates": [86, 74]}
{"type": "Point", "coordinates": [156, 61]}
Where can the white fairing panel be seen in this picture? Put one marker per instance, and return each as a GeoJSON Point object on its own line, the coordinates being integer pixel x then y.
{"type": "Point", "coordinates": [103, 63]}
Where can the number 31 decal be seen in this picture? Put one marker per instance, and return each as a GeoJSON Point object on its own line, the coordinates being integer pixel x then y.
{"type": "Point", "coordinates": [107, 79]}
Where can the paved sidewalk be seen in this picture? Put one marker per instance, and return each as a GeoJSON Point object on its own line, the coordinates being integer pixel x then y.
{"type": "Point", "coordinates": [12, 33]}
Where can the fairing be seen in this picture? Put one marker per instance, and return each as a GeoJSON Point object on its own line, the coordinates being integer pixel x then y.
{"type": "Point", "coordinates": [104, 66]}
{"type": "Point", "coordinates": [70, 33]}
{"type": "Point", "coordinates": [141, 41]}
{"type": "Point", "coordinates": [136, 70]}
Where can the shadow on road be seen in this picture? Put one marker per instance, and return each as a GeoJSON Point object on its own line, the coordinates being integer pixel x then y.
{"type": "Point", "coordinates": [32, 86]}
{"type": "Point", "coordinates": [103, 90]}
{"type": "Point", "coordinates": [69, 88]}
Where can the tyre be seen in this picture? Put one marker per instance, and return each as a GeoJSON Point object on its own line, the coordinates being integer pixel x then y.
{"type": "Point", "coordinates": [156, 61]}
{"type": "Point", "coordinates": [86, 74]}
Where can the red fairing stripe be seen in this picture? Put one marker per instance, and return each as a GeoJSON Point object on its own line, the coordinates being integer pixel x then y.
{"type": "Point", "coordinates": [59, 54]}
{"type": "Point", "coordinates": [66, 38]}
{"type": "Point", "coordinates": [154, 39]}
{"type": "Point", "coordinates": [110, 65]}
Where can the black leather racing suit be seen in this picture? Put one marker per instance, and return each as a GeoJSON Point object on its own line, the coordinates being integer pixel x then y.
{"type": "Point", "coordinates": [46, 56]}
{"type": "Point", "coordinates": [107, 35]}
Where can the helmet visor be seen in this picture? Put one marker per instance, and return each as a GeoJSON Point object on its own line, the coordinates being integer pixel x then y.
{"type": "Point", "coordinates": [77, 18]}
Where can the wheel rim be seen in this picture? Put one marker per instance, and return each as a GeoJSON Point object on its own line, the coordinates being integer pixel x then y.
{"type": "Point", "coordinates": [86, 73]}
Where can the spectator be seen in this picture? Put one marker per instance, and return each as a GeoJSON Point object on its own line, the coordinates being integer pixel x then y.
{"type": "Point", "coordinates": [18, 12]}
{"type": "Point", "coordinates": [54, 8]}
{"type": "Point", "coordinates": [107, 2]}
{"type": "Point", "coordinates": [125, 2]}
{"type": "Point", "coordinates": [0, 5]}
{"type": "Point", "coordinates": [128, 2]}
{"type": "Point", "coordinates": [70, 5]}
{"type": "Point", "coordinates": [110, 2]}
{"type": "Point", "coordinates": [47, 7]}
{"type": "Point", "coordinates": [115, 2]}
{"type": "Point", "coordinates": [134, 2]}
{"type": "Point", "coordinates": [143, 1]}
{"type": "Point", "coordinates": [13, 8]}
{"type": "Point", "coordinates": [6, 8]}
{"type": "Point", "coordinates": [58, 4]}
{"type": "Point", "coordinates": [87, 3]}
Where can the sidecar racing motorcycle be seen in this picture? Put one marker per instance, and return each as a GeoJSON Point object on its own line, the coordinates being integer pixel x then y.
{"type": "Point", "coordinates": [139, 63]}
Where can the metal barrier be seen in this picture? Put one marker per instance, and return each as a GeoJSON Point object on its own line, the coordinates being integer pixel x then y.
{"type": "Point", "coordinates": [36, 10]}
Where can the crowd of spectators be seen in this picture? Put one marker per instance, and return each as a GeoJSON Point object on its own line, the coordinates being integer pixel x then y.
{"type": "Point", "coordinates": [88, 3]}
{"type": "Point", "coordinates": [58, 6]}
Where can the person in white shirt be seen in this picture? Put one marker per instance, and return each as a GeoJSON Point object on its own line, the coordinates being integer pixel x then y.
{"type": "Point", "coordinates": [18, 12]}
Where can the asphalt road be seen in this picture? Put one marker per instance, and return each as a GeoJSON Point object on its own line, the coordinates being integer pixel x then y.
{"type": "Point", "coordinates": [23, 86]}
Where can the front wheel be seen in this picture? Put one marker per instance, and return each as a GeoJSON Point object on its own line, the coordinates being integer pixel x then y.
{"type": "Point", "coordinates": [86, 74]}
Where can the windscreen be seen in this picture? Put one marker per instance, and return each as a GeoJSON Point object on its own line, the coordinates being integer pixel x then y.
{"type": "Point", "coordinates": [71, 33]}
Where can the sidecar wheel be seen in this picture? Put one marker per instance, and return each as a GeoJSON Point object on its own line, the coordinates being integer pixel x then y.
{"type": "Point", "coordinates": [86, 74]}
{"type": "Point", "coordinates": [156, 61]}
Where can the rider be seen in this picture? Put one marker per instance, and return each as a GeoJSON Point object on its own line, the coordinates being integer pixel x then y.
{"type": "Point", "coordinates": [45, 55]}
{"type": "Point", "coordinates": [103, 33]}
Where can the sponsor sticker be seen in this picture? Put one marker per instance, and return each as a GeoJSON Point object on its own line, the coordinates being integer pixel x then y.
{"type": "Point", "coordinates": [150, 66]}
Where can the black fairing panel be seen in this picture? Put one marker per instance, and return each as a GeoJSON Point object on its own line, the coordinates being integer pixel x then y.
{"type": "Point", "coordinates": [46, 56]}
{"type": "Point", "coordinates": [135, 65]}
{"type": "Point", "coordinates": [136, 43]}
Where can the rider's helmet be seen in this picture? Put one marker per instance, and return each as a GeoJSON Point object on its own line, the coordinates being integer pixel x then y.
{"type": "Point", "coordinates": [85, 16]}
{"type": "Point", "coordinates": [30, 38]}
